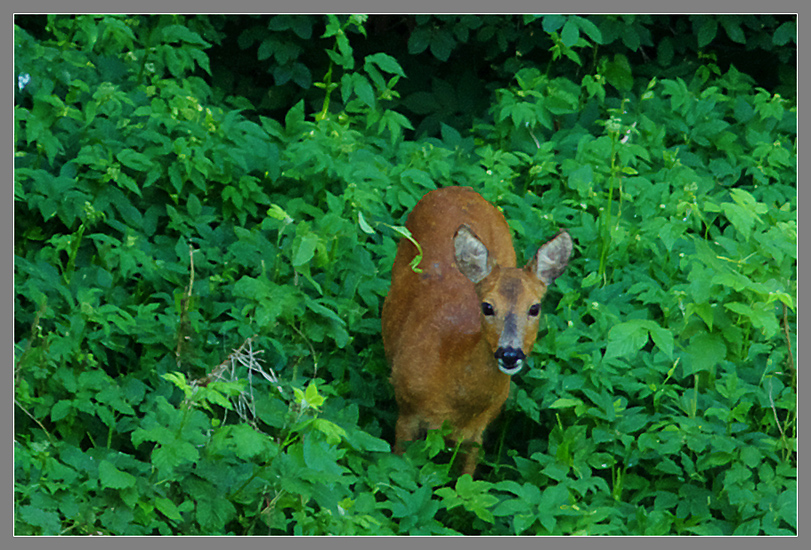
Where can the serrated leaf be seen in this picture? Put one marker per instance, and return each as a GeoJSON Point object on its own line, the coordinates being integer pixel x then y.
{"type": "Point", "coordinates": [48, 521]}
{"type": "Point", "coordinates": [113, 478]}
{"type": "Point", "coordinates": [312, 397]}
{"type": "Point", "coordinates": [626, 339]}
{"type": "Point", "coordinates": [386, 63]}
{"type": "Point", "coordinates": [158, 434]}
{"type": "Point", "coordinates": [294, 117]}
{"type": "Point", "coordinates": [180, 33]}
{"type": "Point", "coordinates": [275, 211]}
{"type": "Point", "coordinates": [333, 431]}
{"type": "Point", "coordinates": [248, 441]}
{"type": "Point", "coordinates": [171, 455]}
{"type": "Point", "coordinates": [212, 394]}
{"type": "Point", "coordinates": [364, 90]}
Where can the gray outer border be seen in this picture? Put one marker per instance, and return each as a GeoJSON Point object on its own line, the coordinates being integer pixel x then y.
{"type": "Point", "coordinates": [362, 6]}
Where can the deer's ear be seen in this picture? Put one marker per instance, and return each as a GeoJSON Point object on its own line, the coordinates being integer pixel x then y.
{"type": "Point", "coordinates": [552, 258]}
{"type": "Point", "coordinates": [472, 257]}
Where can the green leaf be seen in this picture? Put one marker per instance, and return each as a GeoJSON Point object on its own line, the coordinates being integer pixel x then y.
{"type": "Point", "coordinates": [419, 40]}
{"type": "Point", "coordinates": [625, 339]}
{"type": "Point", "coordinates": [570, 33]}
{"type": "Point", "coordinates": [135, 160]}
{"type": "Point", "coordinates": [179, 380]}
{"type": "Point", "coordinates": [706, 350]}
{"type": "Point", "coordinates": [310, 397]}
{"type": "Point", "coordinates": [158, 434]}
{"type": "Point", "coordinates": [365, 227]}
{"type": "Point", "coordinates": [733, 29]}
{"type": "Point", "coordinates": [275, 211]}
{"type": "Point", "coordinates": [442, 44]}
{"type": "Point", "coordinates": [618, 73]}
{"type": "Point", "coordinates": [760, 314]}
{"type": "Point", "coordinates": [181, 33]}
{"type": "Point", "coordinates": [663, 339]}
{"type": "Point", "coordinates": [451, 135]}
{"type": "Point", "coordinates": [705, 27]}
{"type": "Point", "coordinates": [129, 183]}
{"type": "Point", "coordinates": [362, 441]}
{"type": "Point", "coordinates": [422, 103]}
{"type": "Point", "coordinates": [386, 63]}
{"type": "Point", "coordinates": [333, 431]}
{"type": "Point", "coordinates": [787, 506]}
{"type": "Point", "coordinates": [194, 207]}
{"type": "Point", "coordinates": [168, 509]}
{"type": "Point", "coordinates": [785, 33]}
{"type": "Point", "coordinates": [744, 213]}
{"type": "Point", "coordinates": [61, 409]}
{"type": "Point", "coordinates": [304, 249]}
{"type": "Point", "coordinates": [320, 456]}
{"type": "Point", "coordinates": [215, 393]}
{"type": "Point", "coordinates": [589, 28]}
{"type": "Point", "coordinates": [552, 23]}
{"type": "Point", "coordinates": [113, 478]}
{"type": "Point", "coordinates": [394, 122]}
{"type": "Point", "coordinates": [564, 402]}
{"type": "Point", "coordinates": [704, 310]}
{"type": "Point", "coordinates": [248, 442]}
{"type": "Point", "coordinates": [733, 280]}
{"type": "Point", "coordinates": [364, 89]}
{"type": "Point", "coordinates": [167, 457]}
{"type": "Point", "coordinates": [214, 513]}
{"type": "Point", "coordinates": [47, 520]}
{"type": "Point", "coordinates": [581, 179]}
{"type": "Point", "coordinates": [294, 117]}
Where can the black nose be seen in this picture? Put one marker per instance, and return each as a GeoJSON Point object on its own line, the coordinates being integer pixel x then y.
{"type": "Point", "coordinates": [509, 356]}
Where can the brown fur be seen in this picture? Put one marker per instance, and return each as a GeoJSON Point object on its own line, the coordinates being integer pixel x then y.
{"type": "Point", "coordinates": [440, 346]}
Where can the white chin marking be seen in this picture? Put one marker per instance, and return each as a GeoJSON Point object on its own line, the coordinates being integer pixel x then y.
{"type": "Point", "coordinates": [510, 370]}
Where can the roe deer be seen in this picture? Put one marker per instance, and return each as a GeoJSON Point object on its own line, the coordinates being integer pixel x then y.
{"type": "Point", "coordinates": [455, 333]}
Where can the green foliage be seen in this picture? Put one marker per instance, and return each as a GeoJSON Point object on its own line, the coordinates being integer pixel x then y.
{"type": "Point", "coordinates": [201, 257]}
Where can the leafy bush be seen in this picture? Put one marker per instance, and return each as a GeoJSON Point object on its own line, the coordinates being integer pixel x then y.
{"type": "Point", "coordinates": [202, 251]}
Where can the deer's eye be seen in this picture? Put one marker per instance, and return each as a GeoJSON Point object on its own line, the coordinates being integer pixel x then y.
{"type": "Point", "coordinates": [487, 309]}
{"type": "Point", "coordinates": [534, 310]}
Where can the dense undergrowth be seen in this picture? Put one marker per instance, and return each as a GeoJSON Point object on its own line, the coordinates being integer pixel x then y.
{"type": "Point", "coordinates": [206, 213]}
